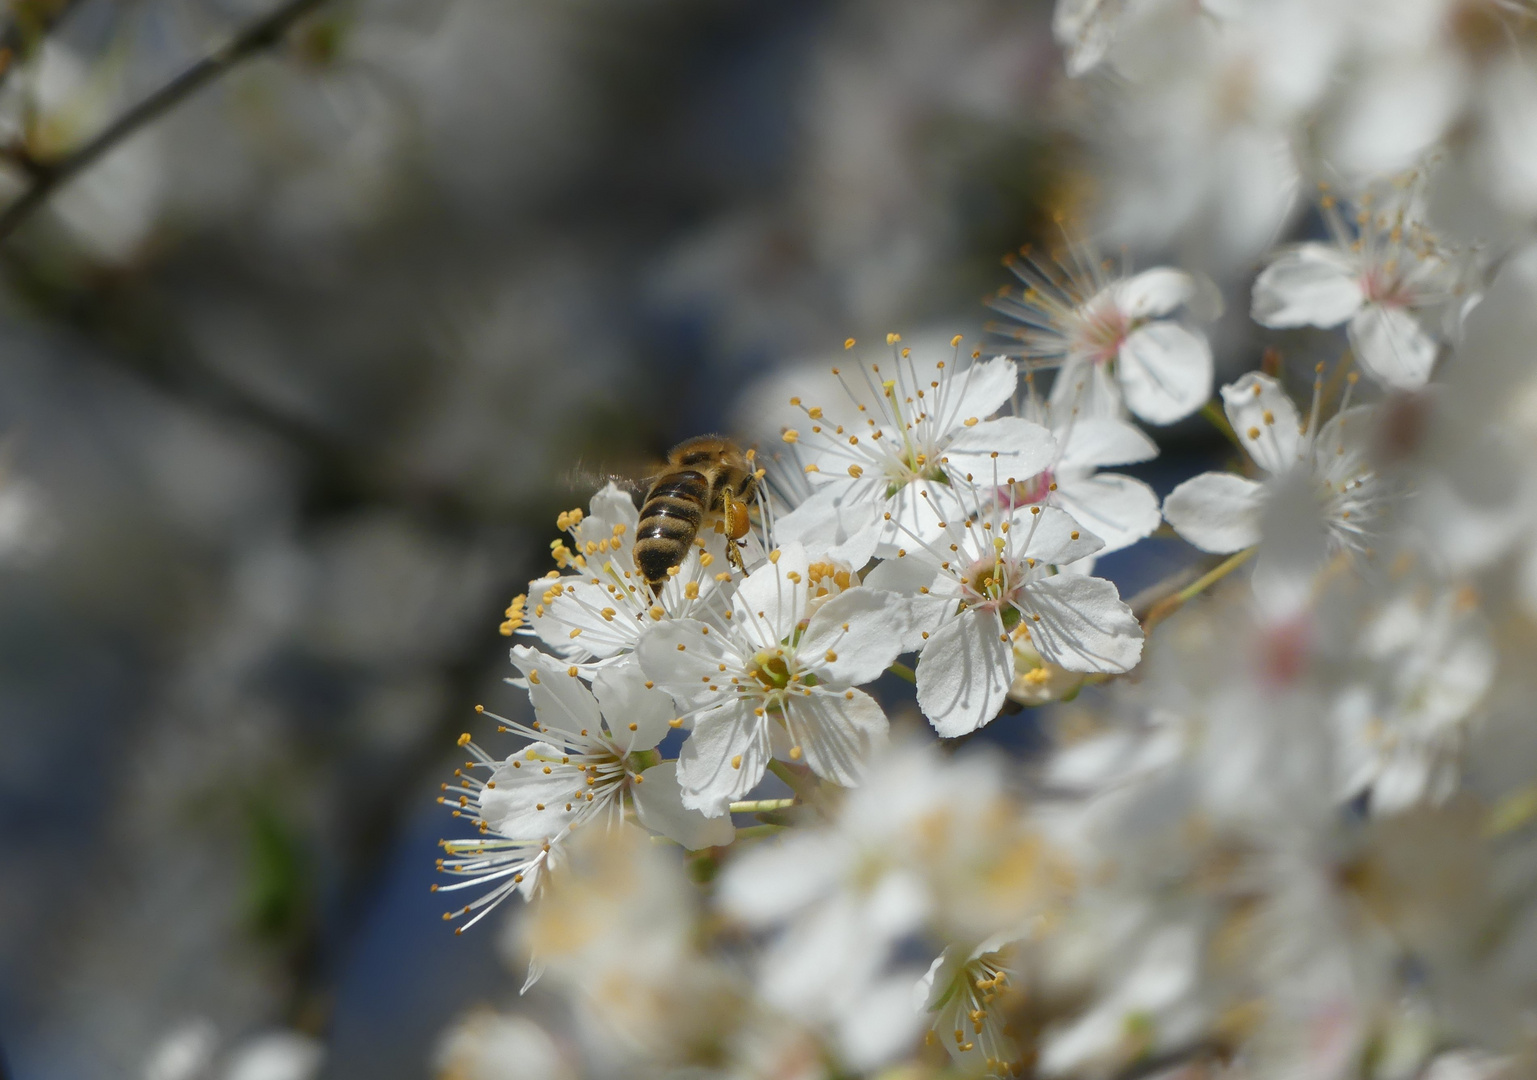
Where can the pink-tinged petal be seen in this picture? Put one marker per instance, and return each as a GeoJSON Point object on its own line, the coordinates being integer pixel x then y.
{"type": "Point", "coordinates": [1051, 536]}
{"type": "Point", "coordinates": [1392, 346]}
{"type": "Point", "coordinates": [978, 392]}
{"type": "Point", "coordinates": [1158, 292]}
{"type": "Point", "coordinates": [1165, 371]}
{"type": "Point", "coordinates": [837, 731]}
{"type": "Point", "coordinates": [1091, 442]}
{"type": "Point", "coordinates": [1022, 449]}
{"type": "Point", "coordinates": [535, 798]}
{"type": "Point", "coordinates": [1117, 509]}
{"type": "Point", "coordinates": [855, 636]}
{"type": "Point", "coordinates": [560, 699]}
{"type": "Point", "coordinates": [1309, 285]}
{"type": "Point", "coordinates": [658, 799]}
{"type": "Point", "coordinates": [771, 600]}
{"type": "Point", "coordinates": [724, 758]}
{"type": "Point", "coordinates": [1265, 421]}
{"type": "Point", "coordinates": [637, 717]}
{"type": "Point", "coordinates": [1217, 512]}
{"type": "Point", "coordinates": [964, 673]}
{"type": "Point", "coordinates": [1080, 623]}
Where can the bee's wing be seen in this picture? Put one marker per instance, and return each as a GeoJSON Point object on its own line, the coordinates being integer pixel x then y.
{"type": "Point", "coordinates": [637, 480]}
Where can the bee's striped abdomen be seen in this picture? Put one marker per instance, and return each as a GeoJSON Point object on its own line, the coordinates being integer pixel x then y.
{"type": "Point", "coordinates": [669, 521]}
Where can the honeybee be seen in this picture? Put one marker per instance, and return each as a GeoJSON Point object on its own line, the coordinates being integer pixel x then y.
{"type": "Point", "coordinates": [708, 474]}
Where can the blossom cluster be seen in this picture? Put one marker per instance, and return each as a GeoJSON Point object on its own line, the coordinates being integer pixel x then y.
{"type": "Point", "coordinates": [1283, 823]}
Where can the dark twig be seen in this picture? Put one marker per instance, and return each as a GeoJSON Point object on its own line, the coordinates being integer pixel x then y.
{"type": "Point", "coordinates": [49, 176]}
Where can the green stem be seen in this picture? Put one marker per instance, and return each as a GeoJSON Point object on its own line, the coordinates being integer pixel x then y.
{"type": "Point", "coordinates": [902, 671]}
{"type": "Point", "coordinates": [1170, 604]}
{"type": "Point", "coordinates": [761, 806]}
{"type": "Point", "coordinates": [1218, 419]}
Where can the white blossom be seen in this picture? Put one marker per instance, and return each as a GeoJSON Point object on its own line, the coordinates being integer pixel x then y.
{"type": "Point", "coordinates": [591, 759]}
{"type": "Point", "coordinates": [773, 678]}
{"type": "Point", "coordinates": [1321, 492]}
{"type": "Point", "coordinates": [1381, 276]}
{"type": "Point", "coordinates": [909, 463]}
{"type": "Point", "coordinates": [1114, 338]}
{"type": "Point", "coordinates": [985, 582]}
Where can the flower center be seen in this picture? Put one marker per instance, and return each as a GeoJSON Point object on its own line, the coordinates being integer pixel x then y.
{"type": "Point", "coordinates": [772, 671]}
{"type": "Point", "coordinates": [989, 583]}
{"type": "Point", "coordinates": [1100, 332]}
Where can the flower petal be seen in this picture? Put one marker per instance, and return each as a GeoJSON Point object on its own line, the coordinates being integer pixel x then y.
{"type": "Point", "coordinates": [560, 699]}
{"type": "Point", "coordinates": [1091, 442]}
{"type": "Point", "coordinates": [839, 517]}
{"type": "Point", "coordinates": [855, 636]}
{"type": "Point", "coordinates": [724, 758]}
{"type": "Point", "coordinates": [1157, 292]}
{"type": "Point", "coordinates": [838, 731]}
{"type": "Point", "coordinates": [1051, 536]}
{"type": "Point", "coordinates": [658, 799]}
{"type": "Point", "coordinates": [636, 716]}
{"type": "Point", "coordinates": [1117, 509]}
{"type": "Point", "coordinates": [681, 656]}
{"type": "Point", "coordinates": [964, 673]}
{"type": "Point", "coordinates": [772, 599]}
{"type": "Point", "coordinates": [1080, 623]}
{"type": "Point", "coordinates": [927, 591]}
{"type": "Point", "coordinates": [1392, 346]}
{"type": "Point", "coordinates": [979, 391]}
{"type": "Point", "coordinates": [1265, 421]}
{"type": "Point", "coordinates": [1009, 447]}
{"type": "Point", "coordinates": [534, 799]}
{"type": "Point", "coordinates": [1308, 285]}
{"type": "Point", "coordinates": [1217, 512]}
{"type": "Point", "coordinates": [1165, 371]}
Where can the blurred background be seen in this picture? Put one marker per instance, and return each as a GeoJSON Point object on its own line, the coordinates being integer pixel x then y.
{"type": "Point", "coordinates": [293, 383]}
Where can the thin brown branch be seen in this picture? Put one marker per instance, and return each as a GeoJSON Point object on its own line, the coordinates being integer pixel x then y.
{"type": "Point", "coordinates": [49, 176]}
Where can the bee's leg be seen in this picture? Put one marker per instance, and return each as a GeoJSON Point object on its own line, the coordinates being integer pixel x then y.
{"type": "Point", "coordinates": [733, 553]}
